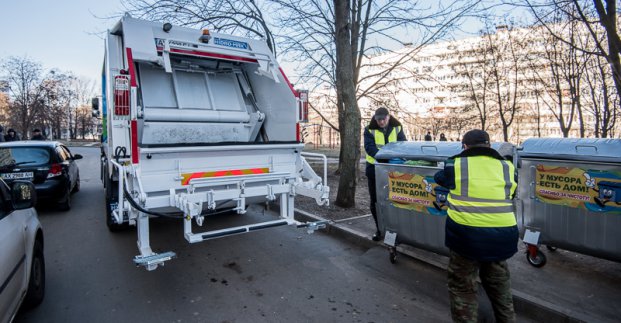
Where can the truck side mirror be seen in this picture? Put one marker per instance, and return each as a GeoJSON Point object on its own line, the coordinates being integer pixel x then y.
{"type": "Point", "coordinates": [95, 104]}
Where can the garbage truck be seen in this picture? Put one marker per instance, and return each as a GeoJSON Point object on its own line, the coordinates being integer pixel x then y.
{"type": "Point", "coordinates": [196, 123]}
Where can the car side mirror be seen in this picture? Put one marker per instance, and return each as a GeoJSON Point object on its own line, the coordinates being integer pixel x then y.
{"type": "Point", "coordinates": [23, 195]}
{"type": "Point", "coordinates": [77, 156]}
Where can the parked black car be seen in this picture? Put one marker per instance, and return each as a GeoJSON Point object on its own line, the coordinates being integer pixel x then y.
{"type": "Point", "coordinates": [48, 164]}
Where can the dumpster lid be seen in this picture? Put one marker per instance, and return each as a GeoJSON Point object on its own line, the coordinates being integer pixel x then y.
{"type": "Point", "coordinates": [431, 150]}
{"type": "Point", "coordinates": [583, 149]}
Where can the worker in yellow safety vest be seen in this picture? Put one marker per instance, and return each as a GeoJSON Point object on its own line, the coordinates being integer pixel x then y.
{"type": "Point", "coordinates": [481, 229]}
{"type": "Point", "coordinates": [381, 130]}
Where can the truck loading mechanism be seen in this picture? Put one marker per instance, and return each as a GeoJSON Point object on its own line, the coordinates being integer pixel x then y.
{"type": "Point", "coordinates": [197, 125]}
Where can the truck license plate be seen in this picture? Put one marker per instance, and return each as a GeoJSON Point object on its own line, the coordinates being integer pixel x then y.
{"type": "Point", "coordinates": [24, 175]}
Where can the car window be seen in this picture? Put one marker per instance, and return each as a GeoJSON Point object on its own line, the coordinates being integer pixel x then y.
{"type": "Point", "coordinates": [30, 156]}
{"type": "Point", "coordinates": [66, 150]}
{"type": "Point", "coordinates": [61, 154]}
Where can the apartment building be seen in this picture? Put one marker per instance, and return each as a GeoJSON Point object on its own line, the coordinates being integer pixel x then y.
{"type": "Point", "coordinates": [449, 87]}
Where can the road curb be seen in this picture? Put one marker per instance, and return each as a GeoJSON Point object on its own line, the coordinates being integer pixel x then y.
{"type": "Point", "coordinates": [536, 308]}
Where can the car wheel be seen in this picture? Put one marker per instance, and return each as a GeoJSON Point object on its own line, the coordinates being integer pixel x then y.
{"type": "Point", "coordinates": [76, 187]}
{"type": "Point", "coordinates": [36, 283]}
{"type": "Point", "coordinates": [66, 204]}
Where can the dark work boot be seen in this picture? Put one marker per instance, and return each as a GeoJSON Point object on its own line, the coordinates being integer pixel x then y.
{"type": "Point", "coordinates": [377, 236]}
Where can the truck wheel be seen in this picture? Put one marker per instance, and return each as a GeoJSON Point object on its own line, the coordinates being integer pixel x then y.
{"type": "Point", "coordinates": [36, 283]}
{"type": "Point", "coordinates": [538, 261]}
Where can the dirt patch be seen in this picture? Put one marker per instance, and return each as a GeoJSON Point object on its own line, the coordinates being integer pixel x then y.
{"type": "Point", "coordinates": [333, 212]}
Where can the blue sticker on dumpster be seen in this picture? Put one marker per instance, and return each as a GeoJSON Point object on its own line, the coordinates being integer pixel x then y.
{"type": "Point", "coordinates": [230, 43]}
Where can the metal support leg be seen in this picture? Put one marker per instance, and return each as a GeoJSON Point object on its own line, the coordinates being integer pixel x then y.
{"type": "Point", "coordinates": [143, 235]}
{"type": "Point", "coordinates": [283, 205]}
{"type": "Point", "coordinates": [147, 257]}
{"type": "Point", "coordinates": [290, 206]}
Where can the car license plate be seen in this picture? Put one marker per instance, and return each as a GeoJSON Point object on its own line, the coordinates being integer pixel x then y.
{"type": "Point", "coordinates": [24, 175]}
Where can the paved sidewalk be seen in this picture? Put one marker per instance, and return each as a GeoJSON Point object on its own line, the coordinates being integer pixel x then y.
{"type": "Point", "coordinates": [571, 287]}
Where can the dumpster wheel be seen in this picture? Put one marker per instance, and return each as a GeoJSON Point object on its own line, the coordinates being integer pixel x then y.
{"type": "Point", "coordinates": [538, 261]}
{"type": "Point", "coordinates": [393, 255]}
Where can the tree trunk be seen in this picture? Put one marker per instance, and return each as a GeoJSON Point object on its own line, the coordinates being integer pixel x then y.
{"type": "Point", "coordinates": [350, 133]}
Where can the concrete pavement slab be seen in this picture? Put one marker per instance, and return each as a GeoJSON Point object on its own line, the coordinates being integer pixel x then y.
{"type": "Point", "coordinates": [571, 287]}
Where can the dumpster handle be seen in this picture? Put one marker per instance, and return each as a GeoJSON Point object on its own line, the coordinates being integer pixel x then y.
{"type": "Point", "coordinates": [532, 185]}
{"type": "Point", "coordinates": [585, 146]}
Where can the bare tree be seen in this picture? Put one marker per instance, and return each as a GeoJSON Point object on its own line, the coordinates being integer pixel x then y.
{"type": "Point", "coordinates": [57, 97]}
{"type": "Point", "coordinates": [604, 101]}
{"type": "Point", "coordinates": [23, 76]}
{"type": "Point", "coordinates": [346, 94]}
{"type": "Point", "coordinates": [560, 73]}
{"type": "Point", "coordinates": [598, 18]}
{"type": "Point", "coordinates": [472, 66]}
{"type": "Point", "coordinates": [505, 66]}
{"type": "Point", "coordinates": [308, 37]}
{"type": "Point", "coordinates": [82, 92]}
{"type": "Point", "coordinates": [232, 16]}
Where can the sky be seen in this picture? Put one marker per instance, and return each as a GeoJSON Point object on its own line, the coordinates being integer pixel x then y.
{"type": "Point", "coordinates": [64, 34]}
{"type": "Point", "coordinates": [58, 34]}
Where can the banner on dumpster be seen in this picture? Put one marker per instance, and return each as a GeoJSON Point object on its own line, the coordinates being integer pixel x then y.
{"type": "Point", "coordinates": [417, 193]}
{"type": "Point", "coordinates": [594, 190]}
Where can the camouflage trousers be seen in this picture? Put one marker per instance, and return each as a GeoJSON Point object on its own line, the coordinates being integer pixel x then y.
{"type": "Point", "coordinates": [462, 285]}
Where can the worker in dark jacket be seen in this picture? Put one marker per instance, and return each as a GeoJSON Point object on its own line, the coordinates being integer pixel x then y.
{"type": "Point", "coordinates": [36, 135]}
{"type": "Point", "coordinates": [11, 135]}
{"type": "Point", "coordinates": [382, 130]}
{"type": "Point", "coordinates": [481, 230]}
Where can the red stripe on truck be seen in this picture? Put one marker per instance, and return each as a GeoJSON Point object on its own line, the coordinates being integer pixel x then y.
{"type": "Point", "coordinates": [134, 139]}
{"type": "Point", "coordinates": [295, 93]}
{"type": "Point", "coordinates": [132, 70]}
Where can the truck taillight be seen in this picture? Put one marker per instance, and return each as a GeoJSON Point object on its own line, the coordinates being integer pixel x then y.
{"type": "Point", "coordinates": [121, 95]}
{"type": "Point", "coordinates": [303, 105]}
{"type": "Point", "coordinates": [55, 170]}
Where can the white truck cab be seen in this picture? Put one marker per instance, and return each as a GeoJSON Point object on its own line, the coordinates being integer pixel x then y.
{"type": "Point", "coordinates": [198, 122]}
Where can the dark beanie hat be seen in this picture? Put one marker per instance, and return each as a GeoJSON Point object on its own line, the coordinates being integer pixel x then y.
{"type": "Point", "coordinates": [381, 112]}
{"type": "Point", "coordinates": [476, 137]}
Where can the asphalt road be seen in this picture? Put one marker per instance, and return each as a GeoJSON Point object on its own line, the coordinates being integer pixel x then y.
{"type": "Point", "coordinates": [275, 275]}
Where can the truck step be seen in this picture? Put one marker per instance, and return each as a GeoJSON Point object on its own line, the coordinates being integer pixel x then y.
{"type": "Point", "coordinates": [155, 259]}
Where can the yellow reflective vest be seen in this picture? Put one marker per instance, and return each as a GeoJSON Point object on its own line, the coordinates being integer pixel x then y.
{"type": "Point", "coordinates": [380, 140]}
{"type": "Point", "coordinates": [484, 187]}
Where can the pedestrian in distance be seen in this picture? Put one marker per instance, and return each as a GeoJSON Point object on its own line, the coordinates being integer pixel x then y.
{"type": "Point", "coordinates": [481, 229]}
{"type": "Point", "coordinates": [36, 135]}
{"type": "Point", "coordinates": [428, 136]}
{"type": "Point", "coordinates": [382, 129]}
{"type": "Point", "coordinates": [442, 137]}
{"type": "Point", "coordinates": [1, 135]}
{"type": "Point", "coordinates": [11, 135]}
